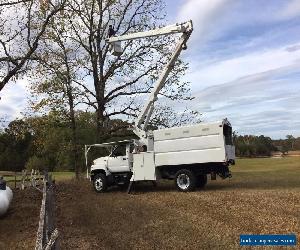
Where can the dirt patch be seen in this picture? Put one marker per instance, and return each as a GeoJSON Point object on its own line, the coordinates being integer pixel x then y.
{"type": "Point", "coordinates": [162, 218]}
{"type": "Point", "coordinates": [19, 226]}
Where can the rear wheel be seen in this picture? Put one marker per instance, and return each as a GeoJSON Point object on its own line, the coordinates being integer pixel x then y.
{"type": "Point", "coordinates": [201, 181]}
{"type": "Point", "coordinates": [100, 183]}
{"type": "Point", "coordinates": [185, 180]}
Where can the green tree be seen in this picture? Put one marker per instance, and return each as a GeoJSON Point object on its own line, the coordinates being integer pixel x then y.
{"type": "Point", "coordinates": [15, 146]}
{"type": "Point", "coordinates": [250, 145]}
{"type": "Point", "coordinates": [290, 142]}
{"type": "Point", "coordinates": [58, 78]}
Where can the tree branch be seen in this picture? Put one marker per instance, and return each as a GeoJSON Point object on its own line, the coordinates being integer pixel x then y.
{"type": "Point", "coordinates": [32, 49]}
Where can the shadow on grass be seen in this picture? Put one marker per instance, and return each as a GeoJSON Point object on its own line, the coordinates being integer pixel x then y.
{"type": "Point", "coordinates": [226, 185]}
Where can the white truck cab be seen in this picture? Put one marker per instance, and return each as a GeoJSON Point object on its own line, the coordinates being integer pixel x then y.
{"type": "Point", "coordinates": [114, 162]}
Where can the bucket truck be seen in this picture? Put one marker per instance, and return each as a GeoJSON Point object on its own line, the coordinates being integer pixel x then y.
{"type": "Point", "coordinates": [186, 154]}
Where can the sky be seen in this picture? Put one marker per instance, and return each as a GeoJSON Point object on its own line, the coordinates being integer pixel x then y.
{"type": "Point", "coordinates": [244, 64]}
{"type": "Point", "coordinates": [244, 59]}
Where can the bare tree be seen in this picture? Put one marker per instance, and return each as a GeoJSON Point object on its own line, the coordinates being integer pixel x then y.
{"type": "Point", "coordinates": [167, 117]}
{"type": "Point", "coordinates": [22, 25]}
{"type": "Point", "coordinates": [117, 84]}
{"type": "Point", "coordinates": [115, 87]}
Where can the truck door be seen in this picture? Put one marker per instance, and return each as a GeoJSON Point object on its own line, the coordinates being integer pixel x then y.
{"type": "Point", "coordinates": [118, 161]}
{"type": "Point", "coordinates": [118, 164]}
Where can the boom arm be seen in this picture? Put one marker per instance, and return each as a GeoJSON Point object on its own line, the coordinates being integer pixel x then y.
{"type": "Point", "coordinates": [167, 30]}
{"type": "Point", "coordinates": [186, 29]}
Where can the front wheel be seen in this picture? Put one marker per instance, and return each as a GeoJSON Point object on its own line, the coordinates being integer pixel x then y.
{"type": "Point", "coordinates": [185, 180]}
{"type": "Point", "coordinates": [100, 183]}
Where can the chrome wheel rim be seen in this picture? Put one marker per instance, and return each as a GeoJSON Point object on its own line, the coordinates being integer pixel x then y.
{"type": "Point", "coordinates": [98, 184]}
{"type": "Point", "coordinates": [183, 181]}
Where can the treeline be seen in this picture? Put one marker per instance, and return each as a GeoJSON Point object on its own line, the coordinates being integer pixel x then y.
{"type": "Point", "coordinates": [253, 146]}
{"type": "Point", "coordinates": [45, 142]}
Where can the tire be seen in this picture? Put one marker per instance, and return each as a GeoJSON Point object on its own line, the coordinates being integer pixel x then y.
{"type": "Point", "coordinates": [185, 180]}
{"type": "Point", "coordinates": [100, 183]}
{"type": "Point", "coordinates": [201, 181]}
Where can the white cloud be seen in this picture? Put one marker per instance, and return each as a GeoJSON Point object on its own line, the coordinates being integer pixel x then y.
{"type": "Point", "coordinates": [243, 56]}
{"type": "Point", "coordinates": [215, 18]}
{"type": "Point", "coordinates": [263, 103]}
{"type": "Point", "coordinates": [203, 75]}
{"type": "Point", "coordinates": [291, 10]}
{"type": "Point", "coordinates": [13, 100]}
{"type": "Point", "coordinates": [204, 14]}
{"type": "Point", "coordinates": [200, 10]}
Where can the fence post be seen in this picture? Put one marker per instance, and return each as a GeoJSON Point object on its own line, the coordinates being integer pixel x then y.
{"type": "Point", "coordinates": [15, 179]}
{"type": "Point", "coordinates": [40, 232]}
{"type": "Point", "coordinates": [23, 179]}
{"type": "Point", "coordinates": [47, 234]}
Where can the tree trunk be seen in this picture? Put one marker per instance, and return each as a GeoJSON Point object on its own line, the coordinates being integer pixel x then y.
{"type": "Point", "coordinates": [74, 133]}
{"type": "Point", "coordinates": [100, 119]}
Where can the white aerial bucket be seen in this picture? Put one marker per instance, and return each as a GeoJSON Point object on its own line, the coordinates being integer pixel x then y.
{"type": "Point", "coordinates": [116, 48]}
{"type": "Point", "coordinates": [6, 196]}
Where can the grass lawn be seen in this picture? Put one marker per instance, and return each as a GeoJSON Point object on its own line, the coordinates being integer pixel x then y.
{"type": "Point", "coordinates": [63, 176]}
{"type": "Point", "coordinates": [267, 164]}
{"type": "Point", "coordinates": [266, 173]}
{"type": "Point", "coordinates": [262, 197]}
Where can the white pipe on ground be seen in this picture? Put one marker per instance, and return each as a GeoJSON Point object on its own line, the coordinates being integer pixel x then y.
{"type": "Point", "coordinates": [6, 196]}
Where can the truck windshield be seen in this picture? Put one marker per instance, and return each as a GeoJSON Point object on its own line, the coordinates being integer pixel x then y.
{"type": "Point", "coordinates": [227, 131]}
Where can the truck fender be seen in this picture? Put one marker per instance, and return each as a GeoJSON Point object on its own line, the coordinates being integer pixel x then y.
{"type": "Point", "coordinates": [98, 169]}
